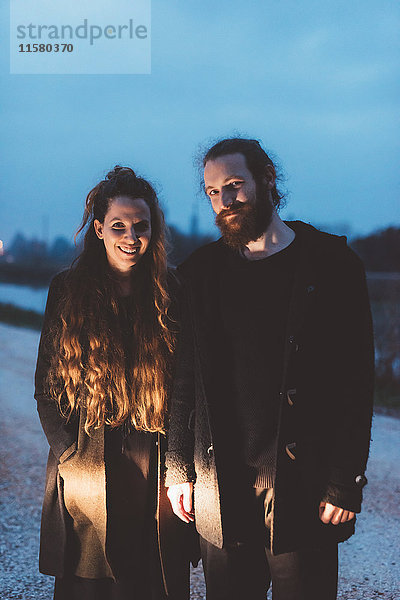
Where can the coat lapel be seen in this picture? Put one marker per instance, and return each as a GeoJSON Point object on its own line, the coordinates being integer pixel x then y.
{"type": "Point", "coordinates": [286, 483]}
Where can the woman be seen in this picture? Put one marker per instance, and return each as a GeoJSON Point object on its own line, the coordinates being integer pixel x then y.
{"type": "Point", "coordinates": [102, 381]}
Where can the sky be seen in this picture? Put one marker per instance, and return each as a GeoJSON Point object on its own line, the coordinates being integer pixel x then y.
{"type": "Point", "coordinates": [316, 82]}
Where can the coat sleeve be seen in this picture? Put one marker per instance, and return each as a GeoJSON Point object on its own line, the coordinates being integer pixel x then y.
{"type": "Point", "coordinates": [179, 456]}
{"type": "Point", "coordinates": [352, 338]}
{"type": "Point", "coordinates": [61, 435]}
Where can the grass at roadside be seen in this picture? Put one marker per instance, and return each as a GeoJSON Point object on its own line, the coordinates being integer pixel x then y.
{"type": "Point", "coordinates": [20, 317]}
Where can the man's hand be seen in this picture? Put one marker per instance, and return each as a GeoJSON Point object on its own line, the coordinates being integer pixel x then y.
{"type": "Point", "coordinates": [328, 513]}
{"type": "Point", "coordinates": [181, 498]}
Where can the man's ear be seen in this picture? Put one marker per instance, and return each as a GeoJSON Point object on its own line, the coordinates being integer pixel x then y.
{"type": "Point", "coordinates": [269, 176]}
{"type": "Point", "coordinates": [98, 227]}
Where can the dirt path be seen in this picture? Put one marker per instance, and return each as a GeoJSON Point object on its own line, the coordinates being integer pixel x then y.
{"type": "Point", "coordinates": [370, 565]}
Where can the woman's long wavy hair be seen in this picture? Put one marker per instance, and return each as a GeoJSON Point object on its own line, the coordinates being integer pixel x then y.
{"type": "Point", "coordinates": [89, 365]}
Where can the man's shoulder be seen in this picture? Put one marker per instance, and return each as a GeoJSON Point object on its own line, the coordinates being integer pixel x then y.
{"type": "Point", "coordinates": [321, 247]}
{"type": "Point", "coordinates": [324, 248]}
{"type": "Point", "coordinates": [311, 236]}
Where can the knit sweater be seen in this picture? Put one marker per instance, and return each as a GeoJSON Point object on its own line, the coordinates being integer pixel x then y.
{"type": "Point", "coordinates": [253, 303]}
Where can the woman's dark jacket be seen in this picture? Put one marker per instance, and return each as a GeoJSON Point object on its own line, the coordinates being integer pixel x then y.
{"type": "Point", "coordinates": [77, 468]}
{"type": "Point", "coordinates": [325, 401]}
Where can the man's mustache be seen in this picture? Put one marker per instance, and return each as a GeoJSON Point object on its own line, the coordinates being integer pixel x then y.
{"type": "Point", "coordinates": [235, 207]}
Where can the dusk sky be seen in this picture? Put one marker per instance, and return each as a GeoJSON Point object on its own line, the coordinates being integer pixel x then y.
{"type": "Point", "coordinates": [317, 82]}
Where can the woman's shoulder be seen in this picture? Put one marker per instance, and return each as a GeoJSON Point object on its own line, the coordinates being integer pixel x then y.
{"type": "Point", "coordinates": [59, 279]}
{"type": "Point", "coordinates": [57, 288]}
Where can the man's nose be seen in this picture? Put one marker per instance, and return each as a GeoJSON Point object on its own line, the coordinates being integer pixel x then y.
{"type": "Point", "coordinates": [227, 198]}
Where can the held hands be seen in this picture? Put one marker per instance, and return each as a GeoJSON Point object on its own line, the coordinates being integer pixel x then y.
{"type": "Point", "coordinates": [181, 498]}
{"type": "Point", "coordinates": [328, 513]}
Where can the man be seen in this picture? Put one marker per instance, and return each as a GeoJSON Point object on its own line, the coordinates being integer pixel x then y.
{"type": "Point", "coordinates": [271, 412]}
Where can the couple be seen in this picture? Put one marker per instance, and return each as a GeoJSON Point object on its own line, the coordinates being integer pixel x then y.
{"type": "Point", "coordinates": [267, 400]}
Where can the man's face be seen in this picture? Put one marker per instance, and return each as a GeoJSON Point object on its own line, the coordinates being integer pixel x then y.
{"type": "Point", "coordinates": [243, 208]}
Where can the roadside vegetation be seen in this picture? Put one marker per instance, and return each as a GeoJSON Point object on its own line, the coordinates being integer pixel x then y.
{"type": "Point", "coordinates": [19, 317]}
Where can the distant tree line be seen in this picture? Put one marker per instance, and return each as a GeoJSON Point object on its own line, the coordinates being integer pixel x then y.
{"type": "Point", "coordinates": [38, 253]}
{"type": "Point", "coordinates": [380, 251]}
{"type": "Point", "coordinates": [32, 259]}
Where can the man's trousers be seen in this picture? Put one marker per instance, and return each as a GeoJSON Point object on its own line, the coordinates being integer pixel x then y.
{"type": "Point", "coordinates": [245, 570]}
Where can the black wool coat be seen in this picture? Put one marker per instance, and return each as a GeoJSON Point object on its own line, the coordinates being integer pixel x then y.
{"type": "Point", "coordinates": [325, 401]}
{"type": "Point", "coordinates": [77, 464]}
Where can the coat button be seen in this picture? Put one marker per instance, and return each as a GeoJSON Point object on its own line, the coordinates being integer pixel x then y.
{"type": "Point", "coordinates": [310, 289]}
{"type": "Point", "coordinates": [361, 480]}
{"type": "Point", "coordinates": [290, 395]}
{"type": "Point", "coordinates": [290, 450]}
{"type": "Point", "coordinates": [210, 450]}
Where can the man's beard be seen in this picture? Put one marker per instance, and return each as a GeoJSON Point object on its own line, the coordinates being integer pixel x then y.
{"type": "Point", "coordinates": [249, 222]}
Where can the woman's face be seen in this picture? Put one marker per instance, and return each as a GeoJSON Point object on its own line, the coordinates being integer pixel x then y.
{"type": "Point", "coordinates": [126, 232]}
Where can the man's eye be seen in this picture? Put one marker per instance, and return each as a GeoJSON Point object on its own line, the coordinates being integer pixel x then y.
{"type": "Point", "coordinates": [235, 183]}
{"type": "Point", "coordinates": [213, 192]}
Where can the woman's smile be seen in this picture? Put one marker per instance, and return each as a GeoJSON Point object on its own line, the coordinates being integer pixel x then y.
{"type": "Point", "coordinates": [131, 251]}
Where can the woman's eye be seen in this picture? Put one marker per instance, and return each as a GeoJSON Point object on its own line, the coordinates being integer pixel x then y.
{"type": "Point", "coordinates": [141, 227]}
{"type": "Point", "coordinates": [118, 226]}
{"type": "Point", "coordinates": [213, 192]}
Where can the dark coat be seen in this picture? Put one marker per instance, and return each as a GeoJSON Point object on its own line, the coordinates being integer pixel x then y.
{"type": "Point", "coordinates": [325, 403]}
{"type": "Point", "coordinates": [76, 464]}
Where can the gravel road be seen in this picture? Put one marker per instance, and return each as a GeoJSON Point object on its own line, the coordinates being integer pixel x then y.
{"type": "Point", "coordinates": [370, 563]}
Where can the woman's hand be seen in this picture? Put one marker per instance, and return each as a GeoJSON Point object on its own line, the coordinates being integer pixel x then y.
{"type": "Point", "coordinates": [181, 498]}
{"type": "Point", "coordinates": [328, 513]}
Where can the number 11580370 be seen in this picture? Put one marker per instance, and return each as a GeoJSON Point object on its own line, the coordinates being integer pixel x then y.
{"type": "Point", "coordinates": [46, 48]}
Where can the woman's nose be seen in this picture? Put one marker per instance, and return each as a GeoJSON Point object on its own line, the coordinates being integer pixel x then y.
{"type": "Point", "coordinates": [131, 233]}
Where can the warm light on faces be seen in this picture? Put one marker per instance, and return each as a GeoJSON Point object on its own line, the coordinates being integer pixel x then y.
{"type": "Point", "coordinates": [126, 232]}
{"type": "Point", "coordinates": [228, 180]}
{"type": "Point", "coordinates": [243, 208]}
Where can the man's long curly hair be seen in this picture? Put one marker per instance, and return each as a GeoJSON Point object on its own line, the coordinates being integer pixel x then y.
{"type": "Point", "coordinates": [89, 365]}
